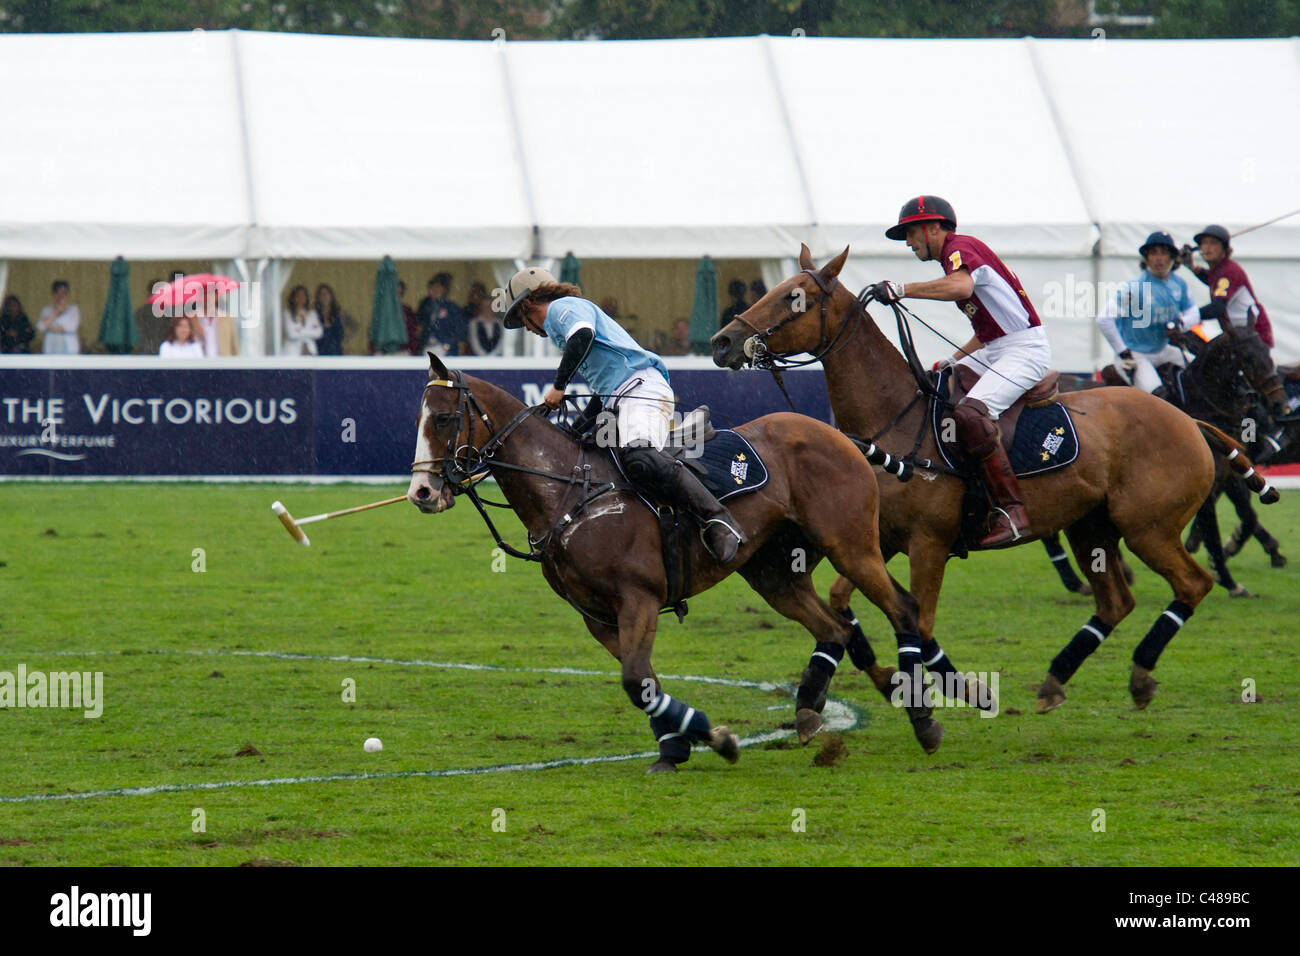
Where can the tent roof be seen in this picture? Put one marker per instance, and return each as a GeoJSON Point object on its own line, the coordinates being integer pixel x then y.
{"type": "Point", "coordinates": [1176, 135]}
{"type": "Point", "coordinates": [226, 144]}
{"type": "Point", "coordinates": [880, 121]}
{"type": "Point", "coordinates": [120, 144]}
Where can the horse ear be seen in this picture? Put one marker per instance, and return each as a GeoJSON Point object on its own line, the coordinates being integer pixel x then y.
{"type": "Point", "coordinates": [832, 268]}
{"type": "Point", "coordinates": [805, 257]}
{"type": "Point", "coordinates": [436, 366]}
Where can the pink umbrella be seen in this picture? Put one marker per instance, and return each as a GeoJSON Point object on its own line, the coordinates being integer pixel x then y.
{"type": "Point", "coordinates": [185, 289]}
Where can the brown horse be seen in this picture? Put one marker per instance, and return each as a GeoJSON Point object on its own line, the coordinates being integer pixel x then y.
{"type": "Point", "coordinates": [1143, 470]}
{"type": "Point", "coordinates": [600, 548]}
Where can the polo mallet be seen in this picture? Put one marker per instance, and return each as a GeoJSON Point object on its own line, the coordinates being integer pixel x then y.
{"type": "Point", "coordinates": [295, 527]}
{"type": "Point", "coordinates": [1285, 215]}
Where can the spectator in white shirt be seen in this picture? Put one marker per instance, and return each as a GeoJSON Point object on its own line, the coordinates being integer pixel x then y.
{"type": "Point", "coordinates": [60, 321]}
{"type": "Point", "coordinates": [302, 325]}
{"type": "Point", "coordinates": [181, 343]}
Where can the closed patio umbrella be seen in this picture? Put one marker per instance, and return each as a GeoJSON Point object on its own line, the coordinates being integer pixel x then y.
{"type": "Point", "coordinates": [117, 329]}
{"type": "Point", "coordinates": [704, 310]}
{"type": "Point", "coordinates": [387, 325]}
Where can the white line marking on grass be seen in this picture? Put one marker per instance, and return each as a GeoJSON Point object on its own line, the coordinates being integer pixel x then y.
{"type": "Point", "coordinates": [838, 717]}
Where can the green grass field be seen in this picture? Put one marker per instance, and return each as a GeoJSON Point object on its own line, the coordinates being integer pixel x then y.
{"type": "Point", "coordinates": [100, 577]}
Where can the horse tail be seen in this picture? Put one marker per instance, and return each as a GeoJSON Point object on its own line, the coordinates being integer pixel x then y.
{"type": "Point", "coordinates": [1226, 446]}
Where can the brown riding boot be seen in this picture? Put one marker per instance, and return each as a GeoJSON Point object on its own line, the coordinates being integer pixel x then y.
{"type": "Point", "coordinates": [1010, 521]}
{"type": "Point", "coordinates": [978, 435]}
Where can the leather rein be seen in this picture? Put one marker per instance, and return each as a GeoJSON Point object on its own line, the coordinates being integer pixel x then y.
{"type": "Point", "coordinates": [774, 362]}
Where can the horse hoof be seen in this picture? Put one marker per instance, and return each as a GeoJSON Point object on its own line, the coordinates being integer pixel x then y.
{"type": "Point", "coordinates": [1240, 591]}
{"type": "Point", "coordinates": [725, 744]}
{"type": "Point", "coordinates": [1277, 560]}
{"type": "Point", "coordinates": [1082, 588]}
{"type": "Point", "coordinates": [1050, 696]}
{"type": "Point", "coordinates": [1142, 686]}
{"type": "Point", "coordinates": [979, 695]}
{"type": "Point", "coordinates": [662, 766]}
{"type": "Point", "coordinates": [929, 734]}
{"type": "Point", "coordinates": [807, 723]}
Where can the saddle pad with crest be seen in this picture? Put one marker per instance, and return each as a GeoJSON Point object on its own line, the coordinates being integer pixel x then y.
{"type": "Point", "coordinates": [1045, 438]}
{"type": "Point", "coordinates": [728, 466]}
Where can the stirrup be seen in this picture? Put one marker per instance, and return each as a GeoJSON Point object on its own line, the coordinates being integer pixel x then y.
{"type": "Point", "coordinates": [1016, 533]}
{"type": "Point", "coordinates": [740, 538]}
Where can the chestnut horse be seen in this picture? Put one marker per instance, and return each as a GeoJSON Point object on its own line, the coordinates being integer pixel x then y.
{"type": "Point", "coordinates": [1144, 468]}
{"type": "Point", "coordinates": [600, 549]}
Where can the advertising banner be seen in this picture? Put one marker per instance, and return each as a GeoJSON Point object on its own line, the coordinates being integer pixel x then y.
{"type": "Point", "coordinates": [342, 420]}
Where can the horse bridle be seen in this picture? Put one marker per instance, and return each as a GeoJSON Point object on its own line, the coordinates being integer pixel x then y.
{"type": "Point", "coordinates": [1226, 350]}
{"type": "Point", "coordinates": [764, 358]}
{"type": "Point", "coordinates": [459, 476]}
{"type": "Point", "coordinates": [463, 466]}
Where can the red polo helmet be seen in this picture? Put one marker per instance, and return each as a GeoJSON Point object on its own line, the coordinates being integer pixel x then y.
{"type": "Point", "coordinates": [923, 209]}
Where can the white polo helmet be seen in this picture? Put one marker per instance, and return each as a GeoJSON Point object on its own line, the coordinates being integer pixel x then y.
{"type": "Point", "coordinates": [519, 286]}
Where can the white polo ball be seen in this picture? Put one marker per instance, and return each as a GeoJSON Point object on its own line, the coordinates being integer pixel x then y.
{"type": "Point", "coordinates": [373, 745]}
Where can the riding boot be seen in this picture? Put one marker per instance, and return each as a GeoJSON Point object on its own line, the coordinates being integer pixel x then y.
{"type": "Point", "coordinates": [1011, 521]}
{"type": "Point", "coordinates": [979, 437]}
{"type": "Point", "coordinates": [720, 531]}
{"type": "Point", "coordinates": [1162, 392]}
{"type": "Point", "coordinates": [677, 485]}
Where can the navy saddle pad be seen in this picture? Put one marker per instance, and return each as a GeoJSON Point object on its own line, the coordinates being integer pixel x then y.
{"type": "Point", "coordinates": [728, 466]}
{"type": "Point", "coordinates": [1045, 438]}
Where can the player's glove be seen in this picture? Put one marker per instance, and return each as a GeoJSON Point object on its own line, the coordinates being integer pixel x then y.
{"type": "Point", "coordinates": [1184, 257]}
{"type": "Point", "coordinates": [1126, 361]}
{"type": "Point", "coordinates": [887, 292]}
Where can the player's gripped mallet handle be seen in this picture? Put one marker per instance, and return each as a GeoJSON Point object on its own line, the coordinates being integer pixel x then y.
{"type": "Point", "coordinates": [295, 527]}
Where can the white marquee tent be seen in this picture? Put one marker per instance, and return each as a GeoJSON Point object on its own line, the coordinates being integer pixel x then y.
{"type": "Point", "coordinates": [266, 148]}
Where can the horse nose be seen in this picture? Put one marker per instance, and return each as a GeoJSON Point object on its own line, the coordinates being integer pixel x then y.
{"type": "Point", "coordinates": [420, 490]}
{"type": "Point", "coordinates": [721, 345]}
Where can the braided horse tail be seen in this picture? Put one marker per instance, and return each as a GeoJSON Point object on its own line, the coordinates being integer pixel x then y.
{"type": "Point", "coordinates": [1227, 447]}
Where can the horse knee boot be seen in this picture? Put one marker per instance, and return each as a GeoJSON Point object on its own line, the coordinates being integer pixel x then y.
{"type": "Point", "coordinates": [978, 436]}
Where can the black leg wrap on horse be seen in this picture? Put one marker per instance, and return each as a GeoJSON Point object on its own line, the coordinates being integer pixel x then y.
{"type": "Point", "coordinates": [817, 676]}
{"type": "Point", "coordinates": [1061, 561]}
{"type": "Point", "coordinates": [911, 672]}
{"type": "Point", "coordinates": [1087, 640]}
{"type": "Point", "coordinates": [678, 717]}
{"type": "Point", "coordinates": [826, 658]}
{"type": "Point", "coordinates": [1161, 633]}
{"type": "Point", "coordinates": [934, 659]}
{"type": "Point", "coordinates": [673, 745]}
{"type": "Point", "coordinates": [860, 652]}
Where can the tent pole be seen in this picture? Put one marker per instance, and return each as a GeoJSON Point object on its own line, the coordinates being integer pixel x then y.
{"type": "Point", "coordinates": [502, 49]}
{"type": "Point", "coordinates": [793, 140]}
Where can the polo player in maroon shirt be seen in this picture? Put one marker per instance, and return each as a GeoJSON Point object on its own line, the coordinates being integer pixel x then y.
{"type": "Point", "coordinates": [1009, 350]}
